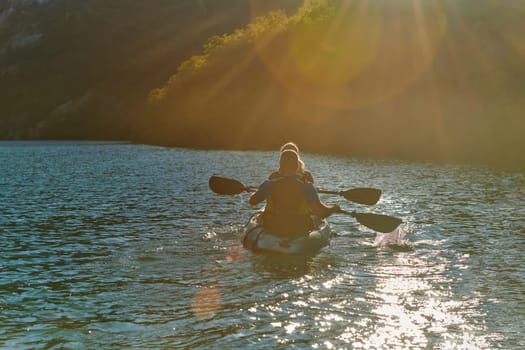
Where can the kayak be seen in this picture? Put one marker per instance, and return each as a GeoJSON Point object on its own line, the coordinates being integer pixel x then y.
{"type": "Point", "coordinates": [259, 240]}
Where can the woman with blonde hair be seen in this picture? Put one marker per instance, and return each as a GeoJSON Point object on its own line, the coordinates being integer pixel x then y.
{"type": "Point", "coordinates": [306, 176]}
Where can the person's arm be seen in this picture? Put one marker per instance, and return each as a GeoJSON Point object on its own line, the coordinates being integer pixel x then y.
{"type": "Point", "coordinates": [323, 210]}
{"type": "Point", "coordinates": [308, 176]}
{"type": "Point", "coordinates": [255, 199]}
{"type": "Point", "coordinates": [317, 207]}
{"type": "Point", "coordinates": [262, 193]}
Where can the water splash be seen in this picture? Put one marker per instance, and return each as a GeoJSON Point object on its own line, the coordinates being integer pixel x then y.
{"type": "Point", "coordinates": [395, 239]}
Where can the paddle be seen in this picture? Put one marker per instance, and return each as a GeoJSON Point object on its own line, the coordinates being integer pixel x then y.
{"type": "Point", "coordinates": [365, 195]}
{"type": "Point", "coordinates": [377, 222]}
{"type": "Point", "coordinates": [225, 186]}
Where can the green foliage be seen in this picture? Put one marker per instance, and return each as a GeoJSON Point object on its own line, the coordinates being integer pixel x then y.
{"type": "Point", "coordinates": [316, 12]}
{"type": "Point", "coordinates": [263, 26]}
{"type": "Point", "coordinates": [463, 106]}
{"type": "Point", "coordinates": [313, 12]}
{"type": "Point", "coordinates": [94, 65]}
{"type": "Point", "coordinates": [157, 95]}
{"type": "Point", "coordinates": [194, 63]}
{"type": "Point", "coordinates": [272, 23]}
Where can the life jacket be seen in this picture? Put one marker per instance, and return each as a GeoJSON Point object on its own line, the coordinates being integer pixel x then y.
{"type": "Point", "coordinates": [287, 212]}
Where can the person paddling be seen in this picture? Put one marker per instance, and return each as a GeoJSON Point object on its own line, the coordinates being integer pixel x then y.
{"type": "Point", "coordinates": [306, 176]}
{"type": "Point", "coordinates": [290, 200]}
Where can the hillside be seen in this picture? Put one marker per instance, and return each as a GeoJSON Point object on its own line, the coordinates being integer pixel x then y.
{"type": "Point", "coordinates": [81, 69]}
{"type": "Point", "coordinates": [416, 80]}
{"type": "Point", "coordinates": [439, 80]}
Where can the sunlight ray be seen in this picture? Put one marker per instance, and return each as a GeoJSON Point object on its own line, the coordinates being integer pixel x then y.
{"type": "Point", "coordinates": [364, 54]}
{"type": "Point", "coordinates": [473, 45]}
{"type": "Point", "coordinates": [435, 110]}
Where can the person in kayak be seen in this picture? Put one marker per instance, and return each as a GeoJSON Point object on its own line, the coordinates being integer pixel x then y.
{"type": "Point", "coordinates": [305, 174]}
{"type": "Point", "coordinates": [290, 201]}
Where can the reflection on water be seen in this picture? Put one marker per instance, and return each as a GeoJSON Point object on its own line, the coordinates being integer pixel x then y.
{"type": "Point", "coordinates": [413, 312]}
{"type": "Point", "coordinates": [114, 246]}
{"type": "Point", "coordinates": [206, 302]}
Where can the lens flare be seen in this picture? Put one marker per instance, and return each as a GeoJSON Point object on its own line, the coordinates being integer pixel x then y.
{"type": "Point", "coordinates": [206, 302]}
{"type": "Point", "coordinates": [235, 252]}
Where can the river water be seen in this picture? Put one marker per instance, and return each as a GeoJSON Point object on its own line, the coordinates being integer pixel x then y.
{"type": "Point", "coordinates": [111, 245]}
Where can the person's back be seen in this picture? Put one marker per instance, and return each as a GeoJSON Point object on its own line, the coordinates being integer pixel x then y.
{"type": "Point", "coordinates": [290, 201]}
{"type": "Point", "coordinates": [287, 212]}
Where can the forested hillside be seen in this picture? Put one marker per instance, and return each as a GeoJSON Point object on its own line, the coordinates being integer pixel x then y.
{"type": "Point", "coordinates": [441, 80]}
{"type": "Point", "coordinates": [82, 69]}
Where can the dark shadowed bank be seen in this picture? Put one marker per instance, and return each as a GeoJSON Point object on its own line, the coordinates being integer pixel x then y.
{"type": "Point", "coordinates": [83, 69]}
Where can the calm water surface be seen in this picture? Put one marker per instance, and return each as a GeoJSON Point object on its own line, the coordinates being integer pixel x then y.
{"type": "Point", "coordinates": [108, 245]}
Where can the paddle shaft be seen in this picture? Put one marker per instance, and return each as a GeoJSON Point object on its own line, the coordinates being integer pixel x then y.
{"type": "Point", "coordinates": [330, 192]}
{"type": "Point", "coordinates": [222, 185]}
{"type": "Point", "coordinates": [339, 193]}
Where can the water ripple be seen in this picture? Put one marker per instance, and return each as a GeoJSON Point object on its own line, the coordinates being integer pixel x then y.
{"type": "Point", "coordinates": [109, 245]}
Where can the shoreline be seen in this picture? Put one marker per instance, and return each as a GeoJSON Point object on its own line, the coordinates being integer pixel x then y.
{"type": "Point", "coordinates": [332, 153]}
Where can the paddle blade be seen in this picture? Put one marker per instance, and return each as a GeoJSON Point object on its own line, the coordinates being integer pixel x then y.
{"type": "Point", "coordinates": [378, 222]}
{"type": "Point", "coordinates": [222, 185]}
{"type": "Point", "coordinates": [368, 196]}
